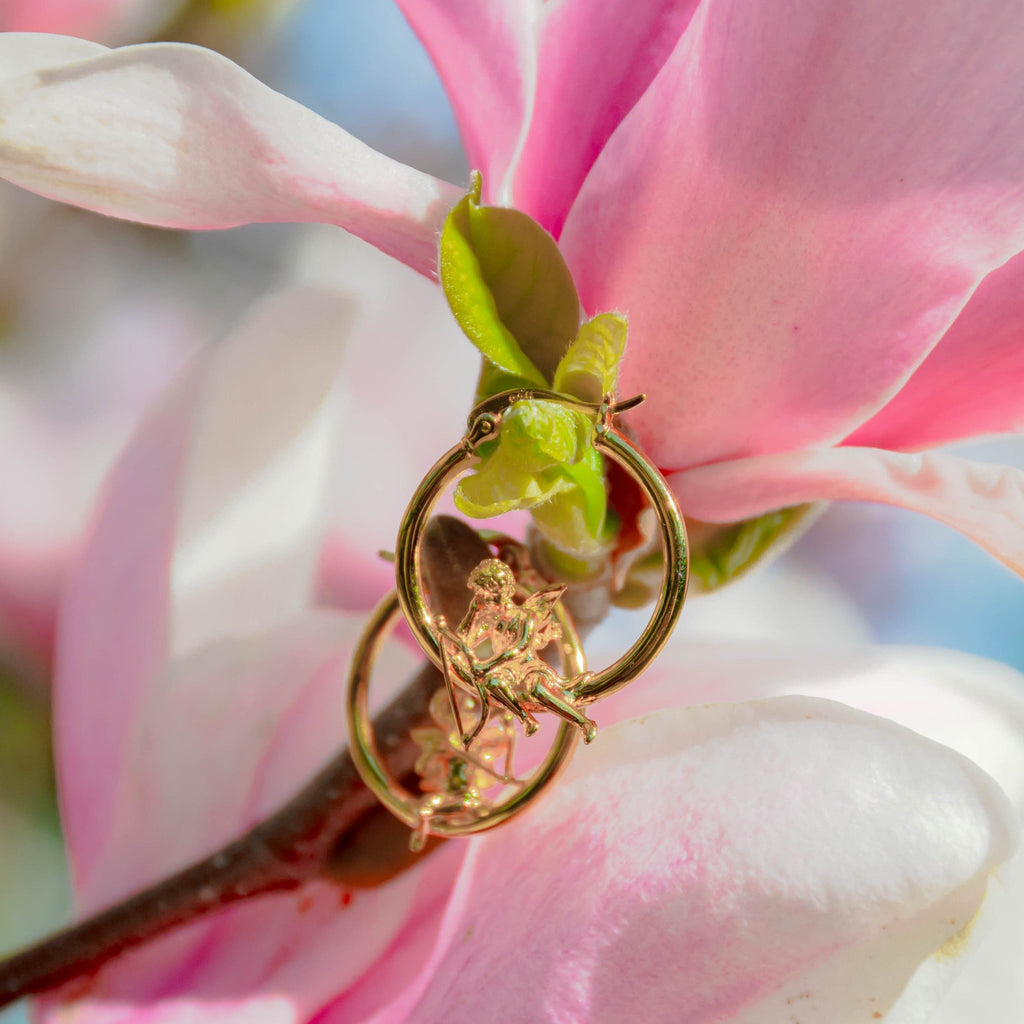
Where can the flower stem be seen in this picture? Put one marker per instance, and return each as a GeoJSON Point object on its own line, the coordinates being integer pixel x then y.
{"type": "Point", "coordinates": [332, 829]}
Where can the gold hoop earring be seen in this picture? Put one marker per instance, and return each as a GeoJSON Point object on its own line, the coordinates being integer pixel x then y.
{"type": "Point", "coordinates": [511, 621]}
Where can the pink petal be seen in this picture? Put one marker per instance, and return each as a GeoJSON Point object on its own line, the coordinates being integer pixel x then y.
{"type": "Point", "coordinates": [482, 53]}
{"type": "Point", "coordinates": [614, 50]}
{"type": "Point", "coordinates": [971, 704]}
{"type": "Point", "coordinates": [180, 136]}
{"type": "Point", "coordinates": [984, 502]}
{"type": "Point", "coordinates": [797, 209]}
{"type": "Point", "coordinates": [209, 526]}
{"type": "Point", "coordinates": [971, 383]}
{"type": "Point", "coordinates": [726, 863]}
{"type": "Point", "coordinates": [224, 737]}
{"type": "Point", "coordinates": [506, 71]}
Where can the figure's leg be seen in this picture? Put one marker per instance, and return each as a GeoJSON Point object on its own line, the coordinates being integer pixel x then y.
{"type": "Point", "coordinates": [500, 691]}
{"type": "Point", "coordinates": [510, 740]}
{"type": "Point", "coordinates": [577, 682]}
{"type": "Point", "coordinates": [555, 702]}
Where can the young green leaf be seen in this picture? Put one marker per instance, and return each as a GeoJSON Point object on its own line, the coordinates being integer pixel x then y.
{"type": "Point", "coordinates": [590, 367]}
{"type": "Point", "coordinates": [543, 461]}
{"type": "Point", "coordinates": [509, 287]}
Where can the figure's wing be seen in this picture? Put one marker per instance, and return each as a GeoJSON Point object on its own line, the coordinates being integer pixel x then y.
{"type": "Point", "coordinates": [542, 604]}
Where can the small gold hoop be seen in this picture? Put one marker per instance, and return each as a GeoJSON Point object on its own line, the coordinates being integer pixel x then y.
{"type": "Point", "coordinates": [388, 790]}
{"type": "Point", "coordinates": [484, 423]}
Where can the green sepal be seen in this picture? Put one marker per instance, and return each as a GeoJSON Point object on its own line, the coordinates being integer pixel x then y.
{"type": "Point", "coordinates": [590, 368]}
{"type": "Point", "coordinates": [508, 287]}
{"type": "Point", "coordinates": [721, 554]}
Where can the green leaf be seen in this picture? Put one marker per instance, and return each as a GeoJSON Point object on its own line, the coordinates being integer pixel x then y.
{"type": "Point", "coordinates": [508, 287]}
{"type": "Point", "coordinates": [544, 461]}
{"type": "Point", "coordinates": [574, 518]}
{"type": "Point", "coordinates": [720, 554]}
{"type": "Point", "coordinates": [590, 367]}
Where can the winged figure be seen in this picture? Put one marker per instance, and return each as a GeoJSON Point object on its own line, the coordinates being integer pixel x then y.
{"type": "Point", "coordinates": [495, 653]}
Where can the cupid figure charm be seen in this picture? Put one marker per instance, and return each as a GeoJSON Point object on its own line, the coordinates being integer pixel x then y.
{"type": "Point", "coordinates": [511, 673]}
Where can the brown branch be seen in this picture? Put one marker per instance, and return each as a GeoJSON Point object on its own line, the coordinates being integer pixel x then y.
{"type": "Point", "coordinates": [331, 829]}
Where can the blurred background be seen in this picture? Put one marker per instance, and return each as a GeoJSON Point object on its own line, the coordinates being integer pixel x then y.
{"type": "Point", "coordinates": [96, 316]}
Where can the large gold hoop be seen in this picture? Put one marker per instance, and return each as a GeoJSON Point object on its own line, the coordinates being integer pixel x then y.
{"type": "Point", "coordinates": [484, 423]}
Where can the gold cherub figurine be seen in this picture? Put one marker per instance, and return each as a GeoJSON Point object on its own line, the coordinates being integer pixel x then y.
{"type": "Point", "coordinates": [494, 654]}
{"type": "Point", "coordinates": [452, 778]}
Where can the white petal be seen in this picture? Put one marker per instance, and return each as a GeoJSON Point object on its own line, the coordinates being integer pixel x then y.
{"type": "Point", "coordinates": [179, 136]}
{"type": "Point", "coordinates": [25, 52]}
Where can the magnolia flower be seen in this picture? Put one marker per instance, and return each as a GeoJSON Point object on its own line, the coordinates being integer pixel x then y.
{"type": "Point", "coordinates": [718, 863]}
{"type": "Point", "coordinates": [811, 221]}
{"type": "Point", "coordinates": [715, 864]}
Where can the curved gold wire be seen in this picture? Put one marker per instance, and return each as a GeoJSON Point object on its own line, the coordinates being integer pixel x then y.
{"type": "Point", "coordinates": [381, 782]}
{"type": "Point", "coordinates": [484, 423]}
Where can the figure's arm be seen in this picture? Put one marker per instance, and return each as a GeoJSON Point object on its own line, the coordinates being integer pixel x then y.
{"type": "Point", "coordinates": [514, 649]}
{"type": "Point", "coordinates": [470, 624]}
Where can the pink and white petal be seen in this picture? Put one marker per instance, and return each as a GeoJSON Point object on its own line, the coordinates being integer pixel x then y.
{"type": "Point", "coordinates": [483, 52]}
{"type": "Point", "coordinates": [406, 386]}
{"type": "Point", "coordinates": [970, 704]}
{"type": "Point", "coordinates": [210, 524]}
{"type": "Point", "coordinates": [795, 212]}
{"type": "Point", "coordinates": [727, 863]}
{"type": "Point", "coordinates": [226, 735]}
{"type": "Point", "coordinates": [179, 136]}
{"type": "Point", "coordinates": [972, 382]}
{"type": "Point", "coordinates": [984, 502]}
